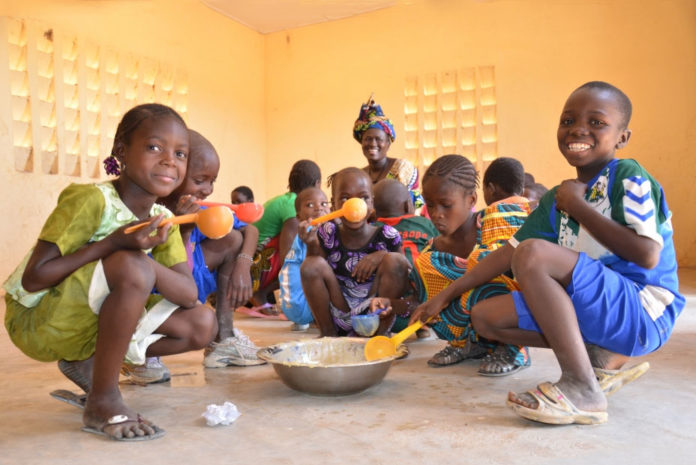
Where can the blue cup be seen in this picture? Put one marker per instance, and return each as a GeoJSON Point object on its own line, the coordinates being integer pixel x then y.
{"type": "Point", "coordinates": [365, 325]}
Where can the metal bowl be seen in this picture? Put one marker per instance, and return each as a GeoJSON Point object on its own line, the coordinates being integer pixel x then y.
{"type": "Point", "coordinates": [329, 366]}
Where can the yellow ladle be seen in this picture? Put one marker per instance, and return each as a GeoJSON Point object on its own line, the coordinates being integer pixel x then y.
{"type": "Point", "coordinates": [382, 346]}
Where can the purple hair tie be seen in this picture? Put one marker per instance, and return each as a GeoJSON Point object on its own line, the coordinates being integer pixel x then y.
{"type": "Point", "coordinates": [111, 166]}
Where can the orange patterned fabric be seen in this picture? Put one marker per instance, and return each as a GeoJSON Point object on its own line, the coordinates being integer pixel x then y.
{"type": "Point", "coordinates": [437, 270]}
{"type": "Point", "coordinates": [497, 223]}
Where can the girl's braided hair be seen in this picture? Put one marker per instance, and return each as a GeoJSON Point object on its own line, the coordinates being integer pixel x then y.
{"type": "Point", "coordinates": [456, 169]}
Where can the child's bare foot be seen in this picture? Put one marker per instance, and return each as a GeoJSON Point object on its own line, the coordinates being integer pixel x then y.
{"type": "Point", "coordinates": [79, 372]}
{"type": "Point", "coordinates": [580, 395]}
{"type": "Point", "coordinates": [259, 298]}
{"type": "Point", "coordinates": [525, 399]}
{"type": "Point", "coordinates": [108, 415]}
{"type": "Point", "coordinates": [603, 358]}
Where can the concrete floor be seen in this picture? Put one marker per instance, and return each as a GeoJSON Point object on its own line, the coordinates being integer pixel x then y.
{"type": "Point", "coordinates": [417, 415]}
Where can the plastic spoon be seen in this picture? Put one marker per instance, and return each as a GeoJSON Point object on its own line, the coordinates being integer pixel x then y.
{"type": "Point", "coordinates": [249, 212]}
{"type": "Point", "coordinates": [214, 222]}
{"type": "Point", "coordinates": [382, 346]}
{"type": "Point", "coordinates": [353, 209]}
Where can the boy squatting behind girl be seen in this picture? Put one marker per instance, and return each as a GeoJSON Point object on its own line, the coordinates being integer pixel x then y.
{"type": "Point", "coordinates": [220, 267]}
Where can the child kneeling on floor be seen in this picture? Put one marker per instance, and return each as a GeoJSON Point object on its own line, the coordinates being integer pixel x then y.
{"type": "Point", "coordinates": [596, 266]}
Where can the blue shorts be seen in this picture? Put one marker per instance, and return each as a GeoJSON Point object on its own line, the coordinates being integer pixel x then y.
{"type": "Point", "coordinates": [608, 308]}
{"type": "Point", "coordinates": [206, 282]}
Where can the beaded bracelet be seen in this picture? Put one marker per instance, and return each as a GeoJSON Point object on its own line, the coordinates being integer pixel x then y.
{"type": "Point", "coordinates": [247, 256]}
{"type": "Point", "coordinates": [408, 303]}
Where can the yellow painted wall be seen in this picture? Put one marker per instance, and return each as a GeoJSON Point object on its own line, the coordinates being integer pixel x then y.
{"type": "Point", "coordinates": [225, 68]}
{"type": "Point", "coordinates": [317, 77]}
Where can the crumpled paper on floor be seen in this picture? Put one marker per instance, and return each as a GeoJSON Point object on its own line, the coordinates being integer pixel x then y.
{"type": "Point", "coordinates": [223, 414]}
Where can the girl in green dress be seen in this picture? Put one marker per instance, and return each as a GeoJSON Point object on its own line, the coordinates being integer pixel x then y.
{"type": "Point", "coordinates": [84, 294]}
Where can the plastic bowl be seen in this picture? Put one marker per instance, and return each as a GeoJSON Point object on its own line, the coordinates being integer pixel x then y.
{"type": "Point", "coordinates": [365, 325]}
{"type": "Point", "coordinates": [329, 366]}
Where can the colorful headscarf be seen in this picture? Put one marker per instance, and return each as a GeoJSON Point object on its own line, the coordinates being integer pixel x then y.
{"type": "Point", "coordinates": [372, 116]}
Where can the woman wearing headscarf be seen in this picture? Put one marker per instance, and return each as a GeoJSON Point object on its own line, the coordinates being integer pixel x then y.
{"type": "Point", "coordinates": [375, 133]}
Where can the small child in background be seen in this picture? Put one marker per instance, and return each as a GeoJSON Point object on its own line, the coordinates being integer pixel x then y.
{"type": "Point", "coordinates": [394, 207]}
{"type": "Point", "coordinates": [221, 266]}
{"type": "Point", "coordinates": [277, 230]}
{"type": "Point", "coordinates": [533, 191]}
{"type": "Point", "coordinates": [310, 203]}
{"type": "Point", "coordinates": [529, 179]}
{"type": "Point", "coordinates": [350, 262]}
{"type": "Point", "coordinates": [503, 183]}
{"type": "Point", "coordinates": [241, 194]}
{"type": "Point", "coordinates": [83, 296]}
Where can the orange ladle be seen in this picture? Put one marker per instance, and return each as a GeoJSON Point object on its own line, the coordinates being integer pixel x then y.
{"type": "Point", "coordinates": [353, 209]}
{"type": "Point", "coordinates": [249, 212]}
{"type": "Point", "coordinates": [382, 346]}
{"type": "Point", "coordinates": [214, 222]}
